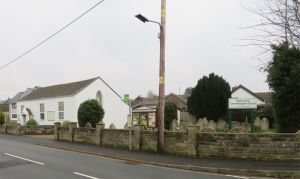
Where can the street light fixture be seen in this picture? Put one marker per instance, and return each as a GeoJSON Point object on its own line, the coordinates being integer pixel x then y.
{"type": "Point", "coordinates": [161, 96]}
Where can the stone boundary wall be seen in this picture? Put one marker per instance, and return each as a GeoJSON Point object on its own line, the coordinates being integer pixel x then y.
{"type": "Point", "coordinates": [116, 138]}
{"type": "Point", "coordinates": [84, 135]}
{"type": "Point", "coordinates": [254, 146]}
{"type": "Point", "coordinates": [38, 130]}
{"type": "Point", "coordinates": [149, 141]}
{"type": "Point", "coordinates": [17, 129]}
{"type": "Point", "coordinates": [191, 143]}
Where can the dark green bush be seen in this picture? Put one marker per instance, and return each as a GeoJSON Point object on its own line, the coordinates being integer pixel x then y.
{"type": "Point", "coordinates": [2, 118]}
{"type": "Point", "coordinates": [31, 122]}
{"type": "Point", "coordinates": [170, 114]}
{"type": "Point", "coordinates": [284, 79]}
{"type": "Point", "coordinates": [90, 111]}
{"type": "Point", "coordinates": [209, 98]}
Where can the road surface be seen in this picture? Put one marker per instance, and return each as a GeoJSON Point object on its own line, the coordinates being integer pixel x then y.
{"type": "Point", "coordinates": [20, 160]}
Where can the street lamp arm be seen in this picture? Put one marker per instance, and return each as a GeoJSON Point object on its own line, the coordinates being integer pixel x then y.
{"type": "Point", "coordinates": [160, 26]}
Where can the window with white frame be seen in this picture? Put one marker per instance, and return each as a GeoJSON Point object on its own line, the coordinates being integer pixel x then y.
{"type": "Point", "coordinates": [61, 109]}
{"type": "Point", "coordinates": [14, 116]}
{"type": "Point", "coordinates": [14, 105]}
{"type": "Point", "coordinates": [42, 111]}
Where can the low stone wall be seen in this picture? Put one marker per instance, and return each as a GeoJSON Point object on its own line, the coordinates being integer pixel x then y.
{"type": "Point", "coordinates": [115, 138]}
{"type": "Point", "coordinates": [84, 135]}
{"type": "Point", "coordinates": [64, 134]}
{"type": "Point", "coordinates": [17, 129]}
{"type": "Point", "coordinates": [149, 141]}
{"type": "Point", "coordinates": [2, 129]}
{"type": "Point", "coordinates": [254, 146]}
{"type": "Point", "coordinates": [176, 143]}
{"type": "Point", "coordinates": [190, 143]}
{"type": "Point", "coordinates": [38, 130]}
{"type": "Point", "coordinates": [13, 129]}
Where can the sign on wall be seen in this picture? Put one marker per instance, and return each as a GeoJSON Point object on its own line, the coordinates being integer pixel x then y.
{"type": "Point", "coordinates": [242, 103]}
{"type": "Point", "coordinates": [152, 119]}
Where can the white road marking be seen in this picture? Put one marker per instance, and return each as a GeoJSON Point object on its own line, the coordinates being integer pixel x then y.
{"type": "Point", "coordinates": [237, 176]}
{"type": "Point", "coordinates": [87, 176]}
{"type": "Point", "coordinates": [24, 159]}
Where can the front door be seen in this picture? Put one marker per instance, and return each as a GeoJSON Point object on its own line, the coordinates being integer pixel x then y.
{"type": "Point", "coordinates": [24, 119]}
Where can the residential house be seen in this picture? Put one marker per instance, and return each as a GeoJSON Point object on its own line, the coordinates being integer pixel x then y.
{"type": "Point", "coordinates": [13, 110]}
{"type": "Point", "coordinates": [59, 103]}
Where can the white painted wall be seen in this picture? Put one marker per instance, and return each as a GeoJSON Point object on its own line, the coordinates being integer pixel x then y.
{"type": "Point", "coordinates": [241, 93]}
{"type": "Point", "coordinates": [51, 104]}
{"type": "Point", "coordinates": [116, 110]}
{"type": "Point", "coordinates": [12, 111]}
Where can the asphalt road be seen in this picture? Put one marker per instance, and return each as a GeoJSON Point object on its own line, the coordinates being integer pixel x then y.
{"type": "Point", "coordinates": [19, 160]}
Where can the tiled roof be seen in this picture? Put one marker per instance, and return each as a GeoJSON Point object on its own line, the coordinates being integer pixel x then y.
{"type": "Point", "coordinates": [17, 97]}
{"type": "Point", "coordinates": [266, 96]}
{"type": "Point", "coordinates": [58, 90]}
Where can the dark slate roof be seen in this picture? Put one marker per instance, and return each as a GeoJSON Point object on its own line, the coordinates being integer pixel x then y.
{"type": "Point", "coordinates": [61, 90]}
{"type": "Point", "coordinates": [266, 96]}
{"type": "Point", "coordinates": [17, 97]}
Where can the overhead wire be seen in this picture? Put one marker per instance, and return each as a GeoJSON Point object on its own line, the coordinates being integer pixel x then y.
{"type": "Point", "coordinates": [50, 37]}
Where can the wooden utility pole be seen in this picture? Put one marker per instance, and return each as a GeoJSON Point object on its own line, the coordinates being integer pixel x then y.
{"type": "Point", "coordinates": [161, 103]}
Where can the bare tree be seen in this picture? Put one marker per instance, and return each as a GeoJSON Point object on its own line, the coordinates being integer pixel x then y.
{"type": "Point", "coordinates": [280, 23]}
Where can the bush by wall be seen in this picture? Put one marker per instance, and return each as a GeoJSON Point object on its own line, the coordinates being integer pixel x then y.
{"type": "Point", "coordinates": [31, 122]}
{"type": "Point", "coordinates": [65, 124]}
{"type": "Point", "coordinates": [2, 118]}
{"type": "Point", "coordinates": [90, 111]}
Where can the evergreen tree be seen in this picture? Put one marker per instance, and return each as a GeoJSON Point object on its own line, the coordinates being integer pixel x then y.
{"type": "Point", "coordinates": [170, 114]}
{"type": "Point", "coordinates": [284, 79]}
{"type": "Point", "coordinates": [90, 111]}
{"type": "Point", "coordinates": [209, 98]}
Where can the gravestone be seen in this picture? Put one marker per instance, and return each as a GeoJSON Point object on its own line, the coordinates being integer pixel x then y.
{"type": "Point", "coordinates": [88, 125]}
{"type": "Point", "coordinates": [205, 122]}
{"type": "Point", "coordinates": [257, 122]}
{"type": "Point", "coordinates": [221, 124]}
{"type": "Point", "coordinates": [246, 126]}
{"type": "Point", "coordinates": [264, 124]}
{"type": "Point", "coordinates": [235, 124]}
{"type": "Point", "coordinates": [212, 124]}
{"type": "Point", "coordinates": [208, 130]}
{"type": "Point", "coordinates": [112, 126]}
{"type": "Point", "coordinates": [173, 125]}
{"type": "Point", "coordinates": [237, 130]}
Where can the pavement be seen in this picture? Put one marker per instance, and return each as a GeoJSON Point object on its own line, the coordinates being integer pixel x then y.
{"type": "Point", "coordinates": [237, 167]}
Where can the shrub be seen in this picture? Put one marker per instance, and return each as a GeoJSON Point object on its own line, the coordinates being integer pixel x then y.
{"type": "Point", "coordinates": [209, 98]}
{"type": "Point", "coordinates": [65, 124]}
{"type": "Point", "coordinates": [170, 114]}
{"type": "Point", "coordinates": [284, 79]}
{"type": "Point", "coordinates": [90, 111]}
{"type": "Point", "coordinates": [31, 122]}
{"type": "Point", "coordinates": [2, 118]}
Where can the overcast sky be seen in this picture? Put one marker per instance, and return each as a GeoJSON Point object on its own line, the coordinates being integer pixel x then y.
{"type": "Point", "coordinates": [202, 37]}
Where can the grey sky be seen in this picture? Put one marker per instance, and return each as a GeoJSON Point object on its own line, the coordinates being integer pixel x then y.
{"type": "Point", "coordinates": [109, 42]}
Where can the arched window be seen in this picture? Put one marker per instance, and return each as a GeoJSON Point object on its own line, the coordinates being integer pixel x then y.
{"type": "Point", "coordinates": [99, 97]}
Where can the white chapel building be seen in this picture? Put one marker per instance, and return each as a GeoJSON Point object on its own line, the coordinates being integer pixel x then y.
{"type": "Point", "coordinates": [61, 102]}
